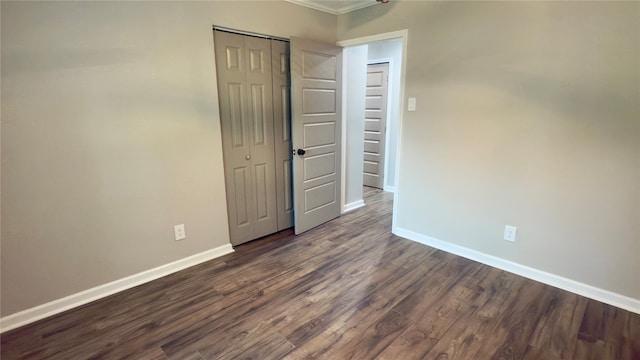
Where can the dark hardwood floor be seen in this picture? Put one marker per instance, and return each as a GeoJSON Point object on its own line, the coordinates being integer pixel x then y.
{"type": "Point", "coordinates": [346, 290]}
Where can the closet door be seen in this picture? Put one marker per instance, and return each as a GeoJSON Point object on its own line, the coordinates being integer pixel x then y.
{"type": "Point", "coordinates": [244, 88]}
{"type": "Point", "coordinates": [260, 105]}
{"type": "Point", "coordinates": [282, 132]}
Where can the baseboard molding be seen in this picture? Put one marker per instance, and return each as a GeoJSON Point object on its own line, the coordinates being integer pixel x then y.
{"type": "Point", "coordinates": [592, 292]}
{"type": "Point", "coordinates": [388, 188]}
{"type": "Point", "coordinates": [57, 306]}
{"type": "Point", "coordinates": [353, 205]}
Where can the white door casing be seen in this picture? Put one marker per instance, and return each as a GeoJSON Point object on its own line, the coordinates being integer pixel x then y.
{"type": "Point", "coordinates": [316, 92]}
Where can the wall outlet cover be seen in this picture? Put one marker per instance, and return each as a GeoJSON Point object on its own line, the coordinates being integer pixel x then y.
{"type": "Point", "coordinates": [510, 233]}
{"type": "Point", "coordinates": [179, 232]}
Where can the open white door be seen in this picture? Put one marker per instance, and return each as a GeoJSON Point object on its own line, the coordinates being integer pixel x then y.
{"type": "Point", "coordinates": [316, 99]}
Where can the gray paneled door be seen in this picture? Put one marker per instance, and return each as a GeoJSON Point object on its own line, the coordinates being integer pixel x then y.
{"type": "Point", "coordinates": [375, 125]}
{"type": "Point", "coordinates": [282, 132]}
{"type": "Point", "coordinates": [245, 92]}
{"type": "Point", "coordinates": [316, 91]}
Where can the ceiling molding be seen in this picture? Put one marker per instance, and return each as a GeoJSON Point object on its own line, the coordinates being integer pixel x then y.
{"type": "Point", "coordinates": [334, 7]}
{"type": "Point", "coordinates": [356, 6]}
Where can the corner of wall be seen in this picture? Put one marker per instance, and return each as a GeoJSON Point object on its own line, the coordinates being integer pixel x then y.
{"type": "Point", "coordinates": [592, 292]}
{"type": "Point", "coordinates": [39, 312]}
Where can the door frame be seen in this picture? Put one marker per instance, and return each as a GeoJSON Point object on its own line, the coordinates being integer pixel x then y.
{"type": "Point", "coordinates": [399, 34]}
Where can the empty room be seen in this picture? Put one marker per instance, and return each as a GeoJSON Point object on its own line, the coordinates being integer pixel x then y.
{"type": "Point", "coordinates": [316, 179]}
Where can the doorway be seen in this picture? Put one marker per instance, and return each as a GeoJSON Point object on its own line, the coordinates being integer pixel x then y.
{"type": "Point", "coordinates": [387, 47]}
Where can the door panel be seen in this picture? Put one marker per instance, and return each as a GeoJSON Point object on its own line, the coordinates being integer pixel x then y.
{"type": "Point", "coordinates": [319, 196]}
{"type": "Point", "coordinates": [375, 125]}
{"type": "Point", "coordinates": [233, 51]}
{"type": "Point", "coordinates": [320, 134]}
{"type": "Point", "coordinates": [288, 195]}
{"type": "Point", "coordinates": [234, 120]}
{"type": "Point", "coordinates": [258, 110]}
{"type": "Point", "coordinates": [371, 167]}
{"type": "Point", "coordinates": [318, 101]}
{"type": "Point", "coordinates": [372, 146]}
{"type": "Point", "coordinates": [282, 131]}
{"type": "Point", "coordinates": [236, 115]}
{"type": "Point", "coordinates": [242, 200]}
{"type": "Point", "coordinates": [260, 172]}
{"type": "Point", "coordinates": [316, 71]}
{"type": "Point", "coordinates": [318, 65]}
{"type": "Point", "coordinates": [259, 85]}
{"type": "Point", "coordinates": [256, 61]}
{"type": "Point", "coordinates": [373, 102]}
{"type": "Point", "coordinates": [319, 165]}
{"type": "Point", "coordinates": [247, 134]}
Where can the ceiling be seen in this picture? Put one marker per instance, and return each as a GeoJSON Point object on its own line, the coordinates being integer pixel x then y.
{"type": "Point", "coordinates": [335, 7]}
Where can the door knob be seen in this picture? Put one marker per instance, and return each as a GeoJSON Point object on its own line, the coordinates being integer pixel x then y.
{"type": "Point", "coordinates": [301, 152]}
{"type": "Point", "coordinates": [248, 157]}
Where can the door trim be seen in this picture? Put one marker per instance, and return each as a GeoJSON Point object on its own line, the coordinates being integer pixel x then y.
{"type": "Point", "coordinates": [373, 38]}
{"type": "Point", "coordinates": [248, 33]}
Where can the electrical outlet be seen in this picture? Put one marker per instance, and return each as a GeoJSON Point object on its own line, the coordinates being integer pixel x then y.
{"type": "Point", "coordinates": [179, 232]}
{"type": "Point", "coordinates": [510, 233]}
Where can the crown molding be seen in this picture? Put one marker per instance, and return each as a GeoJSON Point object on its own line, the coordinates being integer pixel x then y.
{"type": "Point", "coordinates": [349, 6]}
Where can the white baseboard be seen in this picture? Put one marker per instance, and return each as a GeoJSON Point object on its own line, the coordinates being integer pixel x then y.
{"type": "Point", "coordinates": [592, 292]}
{"type": "Point", "coordinates": [57, 306]}
{"type": "Point", "coordinates": [388, 188]}
{"type": "Point", "coordinates": [353, 205]}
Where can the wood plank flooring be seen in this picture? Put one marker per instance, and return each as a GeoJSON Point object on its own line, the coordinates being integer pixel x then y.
{"type": "Point", "coordinates": [348, 289]}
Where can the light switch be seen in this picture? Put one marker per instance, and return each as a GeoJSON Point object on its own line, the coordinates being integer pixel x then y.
{"type": "Point", "coordinates": [412, 104]}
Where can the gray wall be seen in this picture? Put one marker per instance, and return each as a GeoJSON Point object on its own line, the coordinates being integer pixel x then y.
{"type": "Point", "coordinates": [390, 49]}
{"type": "Point", "coordinates": [528, 114]}
{"type": "Point", "coordinates": [111, 135]}
{"type": "Point", "coordinates": [355, 65]}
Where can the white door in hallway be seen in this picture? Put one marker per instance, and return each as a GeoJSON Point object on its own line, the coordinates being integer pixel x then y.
{"type": "Point", "coordinates": [375, 124]}
{"type": "Point", "coordinates": [316, 93]}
